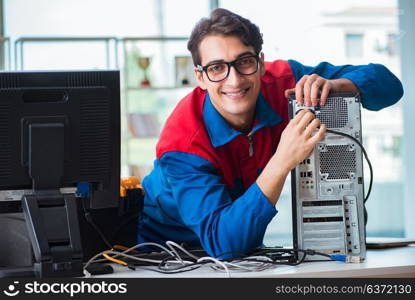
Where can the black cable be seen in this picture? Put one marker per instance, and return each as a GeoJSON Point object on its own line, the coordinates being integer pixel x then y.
{"type": "Point", "coordinates": [361, 147]}
{"type": "Point", "coordinates": [305, 252]}
{"type": "Point", "coordinates": [365, 155]}
{"type": "Point", "coordinates": [277, 260]}
{"type": "Point", "coordinates": [88, 217]}
{"type": "Point", "coordinates": [125, 222]}
{"type": "Point", "coordinates": [370, 169]}
{"type": "Point", "coordinates": [179, 269]}
{"type": "Point", "coordinates": [274, 255]}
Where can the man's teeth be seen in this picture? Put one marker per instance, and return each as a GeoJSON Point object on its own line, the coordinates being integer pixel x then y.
{"type": "Point", "coordinates": [236, 93]}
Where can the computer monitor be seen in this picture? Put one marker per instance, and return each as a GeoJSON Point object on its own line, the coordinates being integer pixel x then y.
{"type": "Point", "coordinates": [59, 140]}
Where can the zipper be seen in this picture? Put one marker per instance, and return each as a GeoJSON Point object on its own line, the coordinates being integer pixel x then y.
{"type": "Point", "coordinates": [251, 144]}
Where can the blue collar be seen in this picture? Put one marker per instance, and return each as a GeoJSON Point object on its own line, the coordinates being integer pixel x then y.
{"type": "Point", "coordinates": [221, 133]}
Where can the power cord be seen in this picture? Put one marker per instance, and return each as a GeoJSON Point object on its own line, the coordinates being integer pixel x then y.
{"type": "Point", "coordinates": [365, 155]}
{"type": "Point", "coordinates": [369, 164]}
{"type": "Point", "coordinates": [90, 220]}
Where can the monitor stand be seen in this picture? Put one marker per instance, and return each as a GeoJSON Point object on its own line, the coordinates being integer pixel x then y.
{"type": "Point", "coordinates": [51, 217]}
{"type": "Point", "coordinates": [53, 229]}
{"type": "Point", "coordinates": [17, 272]}
{"type": "Point", "coordinates": [16, 254]}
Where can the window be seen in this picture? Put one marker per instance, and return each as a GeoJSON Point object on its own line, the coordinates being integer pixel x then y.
{"type": "Point", "coordinates": [321, 30]}
{"type": "Point", "coordinates": [72, 35]}
{"type": "Point", "coordinates": [333, 31]}
{"type": "Point", "coordinates": [354, 45]}
{"type": "Point", "coordinates": [392, 44]}
{"type": "Point", "coordinates": [74, 19]}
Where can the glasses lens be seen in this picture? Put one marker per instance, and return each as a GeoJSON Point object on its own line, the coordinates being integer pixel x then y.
{"type": "Point", "coordinates": [217, 72]}
{"type": "Point", "coordinates": [246, 65]}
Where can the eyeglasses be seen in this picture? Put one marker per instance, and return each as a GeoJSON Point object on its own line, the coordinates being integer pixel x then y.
{"type": "Point", "coordinates": [246, 65]}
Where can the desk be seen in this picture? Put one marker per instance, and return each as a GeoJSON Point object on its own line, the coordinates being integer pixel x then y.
{"type": "Point", "coordinates": [394, 262]}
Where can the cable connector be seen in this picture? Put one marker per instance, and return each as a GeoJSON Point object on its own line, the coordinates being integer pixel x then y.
{"type": "Point", "coordinates": [354, 259]}
{"type": "Point", "coordinates": [339, 257]}
{"type": "Point", "coordinates": [346, 258]}
{"type": "Point", "coordinates": [310, 252]}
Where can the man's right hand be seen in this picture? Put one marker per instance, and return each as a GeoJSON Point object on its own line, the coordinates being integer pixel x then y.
{"type": "Point", "coordinates": [296, 143]}
{"type": "Point", "coordinates": [297, 140]}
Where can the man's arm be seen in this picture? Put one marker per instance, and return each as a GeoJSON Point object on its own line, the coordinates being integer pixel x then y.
{"type": "Point", "coordinates": [377, 86]}
{"type": "Point", "coordinates": [296, 143]}
{"type": "Point", "coordinates": [204, 204]}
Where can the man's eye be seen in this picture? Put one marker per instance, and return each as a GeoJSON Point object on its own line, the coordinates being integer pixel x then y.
{"type": "Point", "coordinates": [246, 61]}
{"type": "Point", "coordinates": [216, 68]}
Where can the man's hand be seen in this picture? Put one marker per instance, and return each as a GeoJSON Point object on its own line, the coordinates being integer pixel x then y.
{"type": "Point", "coordinates": [296, 143]}
{"type": "Point", "coordinates": [297, 140]}
{"type": "Point", "coordinates": [312, 88]}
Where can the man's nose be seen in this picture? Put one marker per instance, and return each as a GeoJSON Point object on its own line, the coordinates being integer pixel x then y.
{"type": "Point", "coordinates": [234, 78]}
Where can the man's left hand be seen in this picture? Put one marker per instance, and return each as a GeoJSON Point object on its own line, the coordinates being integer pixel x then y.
{"type": "Point", "coordinates": [313, 89]}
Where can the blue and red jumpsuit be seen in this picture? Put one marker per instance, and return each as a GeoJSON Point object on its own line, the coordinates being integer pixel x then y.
{"type": "Point", "coordinates": [202, 190]}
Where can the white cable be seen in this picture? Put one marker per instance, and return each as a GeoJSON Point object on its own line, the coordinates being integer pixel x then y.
{"type": "Point", "coordinates": [216, 261]}
{"type": "Point", "coordinates": [187, 269]}
{"type": "Point", "coordinates": [171, 243]}
{"type": "Point", "coordinates": [231, 266]}
{"type": "Point", "coordinates": [133, 248]}
{"type": "Point", "coordinates": [261, 265]}
{"type": "Point", "coordinates": [87, 274]}
{"type": "Point", "coordinates": [156, 261]}
{"type": "Point", "coordinates": [257, 265]}
{"type": "Point", "coordinates": [92, 259]}
{"type": "Point", "coordinates": [117, 254]}
{"type": "Point", "coordinates": [250, 266]}
{"type": "Point", "coordinates": [174, 251]}
{"type": "Point", "coordinates": [149, 244]}
{"type": "Point", "coordinates": [241, 265]}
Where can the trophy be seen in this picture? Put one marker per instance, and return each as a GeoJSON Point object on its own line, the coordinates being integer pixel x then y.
{"type": "Point", "coordinates": [185, 71]}
{"type": "Point", "coordinates": [144, 63]}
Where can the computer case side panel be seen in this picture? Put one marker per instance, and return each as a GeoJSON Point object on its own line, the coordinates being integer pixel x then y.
{"type": "Point", "coordinates": [327, 186]}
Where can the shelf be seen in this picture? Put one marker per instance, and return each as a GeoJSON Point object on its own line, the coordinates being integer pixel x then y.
{"type": "Point", "coordinates": [146, 108]}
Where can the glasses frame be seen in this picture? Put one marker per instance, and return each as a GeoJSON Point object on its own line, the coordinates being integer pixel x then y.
{"type": "Point", "coordinates": [229, 64]}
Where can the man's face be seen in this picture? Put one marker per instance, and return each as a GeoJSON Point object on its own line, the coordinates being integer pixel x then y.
{"type": "Point", "coordinates": [234, 97]}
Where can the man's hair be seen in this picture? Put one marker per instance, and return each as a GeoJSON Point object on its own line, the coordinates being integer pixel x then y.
{"type": "Point", "coordinates": [226, 23]}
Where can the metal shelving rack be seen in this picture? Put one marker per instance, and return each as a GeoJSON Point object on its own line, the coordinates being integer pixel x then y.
{"type": "Point", "coordinates": [5, 64]}
{"type": "Point", "coordinates": [116, 56]}
{"type": "Point", "coordinates": [20, 43]}
{"type": "Point", "coordinates": [128, 89]}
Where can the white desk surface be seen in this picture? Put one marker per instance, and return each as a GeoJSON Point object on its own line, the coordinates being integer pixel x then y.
{"type": "Point", "coordinates": [393, 262]}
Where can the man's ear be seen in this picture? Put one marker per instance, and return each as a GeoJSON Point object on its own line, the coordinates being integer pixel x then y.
{"type": "Point", "coordinates": [200, 79]}
{"type": "Point", "coordinates": [262, 63]}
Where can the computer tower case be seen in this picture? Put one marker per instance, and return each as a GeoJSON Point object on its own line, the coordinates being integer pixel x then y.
{"type": "Point", "coordinates": [327, 187]}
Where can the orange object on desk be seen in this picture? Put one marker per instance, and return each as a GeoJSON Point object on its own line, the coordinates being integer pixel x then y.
{"type": "Point", "coordinates": [129, 183]}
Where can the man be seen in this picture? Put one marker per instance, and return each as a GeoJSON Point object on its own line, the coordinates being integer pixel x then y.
{"type": "Point", "coordinates": [228, 146]}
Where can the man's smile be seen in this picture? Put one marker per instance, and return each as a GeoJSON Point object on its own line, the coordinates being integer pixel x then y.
{"type": "Point", "coordinates": [236, 93]}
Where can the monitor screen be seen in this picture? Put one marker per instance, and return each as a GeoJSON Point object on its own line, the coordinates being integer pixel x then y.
{"type": "Point", "coordinates": [84, 108]}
